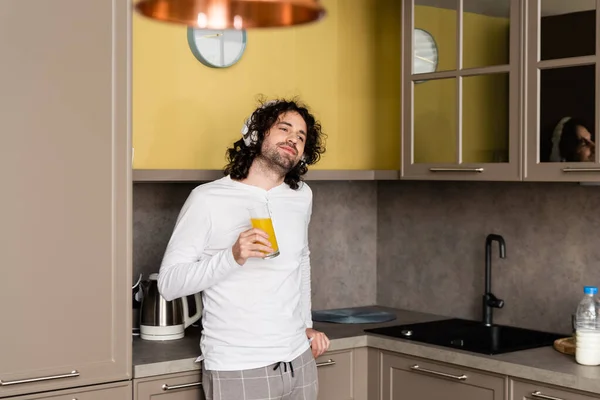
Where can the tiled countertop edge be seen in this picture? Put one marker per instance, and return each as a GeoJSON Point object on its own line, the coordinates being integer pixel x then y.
{"type": "Point", "coordinates": [189, 364]}
{"type": "Point", "coordinates": [165, 367]}
{"type": "Point", "coordinates": [487, 363]}
{"type": "Point", "coordinates": [464, 359]}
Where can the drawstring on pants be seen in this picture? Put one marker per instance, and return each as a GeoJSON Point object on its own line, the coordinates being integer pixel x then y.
{"type": "Point", "coordinates": [285, 364]}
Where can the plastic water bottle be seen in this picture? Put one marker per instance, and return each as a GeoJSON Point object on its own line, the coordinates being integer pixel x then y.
{"type": "Point", "coordinates": [587, 329]}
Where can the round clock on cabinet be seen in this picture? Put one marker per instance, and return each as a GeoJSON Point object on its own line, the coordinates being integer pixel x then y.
{"type": "Point", "coordinates": [425, 52]}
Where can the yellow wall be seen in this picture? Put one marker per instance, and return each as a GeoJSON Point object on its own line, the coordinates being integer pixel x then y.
{"type": "Point", "coordinates": [485, 99]}
{"type": "Point", "coordinates": [346, 67]}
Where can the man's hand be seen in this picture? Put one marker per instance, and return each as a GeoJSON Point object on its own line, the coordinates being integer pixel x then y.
{"type": "Point", "coordinates": [251, 243]}
{"type": "Point", "coordinates": [320, 342]}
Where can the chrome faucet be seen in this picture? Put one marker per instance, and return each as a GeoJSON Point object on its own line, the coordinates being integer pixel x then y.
{"type": "Point", "coordinates": [489, 300]}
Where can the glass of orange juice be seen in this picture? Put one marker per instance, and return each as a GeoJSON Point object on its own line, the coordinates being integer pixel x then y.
{"type": "Point", "coordinates": [260, 217]}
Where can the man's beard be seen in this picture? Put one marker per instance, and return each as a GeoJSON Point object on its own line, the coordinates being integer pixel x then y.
{"type": "Point", "coordinates": [274, 159]}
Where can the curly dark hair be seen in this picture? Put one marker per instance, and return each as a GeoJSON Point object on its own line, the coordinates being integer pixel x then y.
{"type": "Point", "coordinates": [571, 145]}
{"type": "Point", "coordinates": [240, 156]}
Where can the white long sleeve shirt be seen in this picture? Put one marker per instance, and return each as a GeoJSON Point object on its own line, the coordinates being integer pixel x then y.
{"type": "Point", "coordinates": [256, 314]}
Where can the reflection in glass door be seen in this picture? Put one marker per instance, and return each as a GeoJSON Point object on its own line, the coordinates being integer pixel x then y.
{"type": "Point", "coordinates": [567, 114]}
{"type": "Point", "coordinates": [435, 116]}
{"type": "Point", "coordinates": [485, 118]}
{"type": "Point", "coordinates": [562, 120]}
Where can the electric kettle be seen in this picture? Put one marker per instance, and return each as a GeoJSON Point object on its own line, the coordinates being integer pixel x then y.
{"type": "Point", "coordinates": [162, 319]}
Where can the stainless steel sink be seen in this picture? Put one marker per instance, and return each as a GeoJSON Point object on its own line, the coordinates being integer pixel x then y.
{"type": "Point", "coordinates": [470, 335]}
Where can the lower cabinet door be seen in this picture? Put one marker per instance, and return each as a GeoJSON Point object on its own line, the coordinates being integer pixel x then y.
{"type": "Point", "coordinates": [113, 391]}
{"type": "Point", "coordinates": [335, 375]}
{"type": "Point", "coordinates": [404, 378]}
{"type": "Point", "coordinates": [523, 390]}
{"type": "Point", "coordinates": [181, 386]}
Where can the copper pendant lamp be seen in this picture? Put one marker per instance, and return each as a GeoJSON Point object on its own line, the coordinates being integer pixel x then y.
{"type": "Point", "coordinates": [232, 14]}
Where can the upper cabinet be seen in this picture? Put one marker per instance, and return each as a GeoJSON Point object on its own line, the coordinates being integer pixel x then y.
{"type": "Point", "coordinates": [562, 90]}
{"type": "Point", "coordinates": [186, 115]}
{"type": "Point", "coordinates": [461, 84]}
{"type": "Point", "coordinates": [438, 89]}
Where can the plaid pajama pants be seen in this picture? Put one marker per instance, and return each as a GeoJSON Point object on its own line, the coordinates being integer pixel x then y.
{"type": "Point", "coordinates": [295, 380]}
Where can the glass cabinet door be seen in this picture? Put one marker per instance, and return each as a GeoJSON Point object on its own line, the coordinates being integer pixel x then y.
{"type": "Point", "coordinates": [562, 91]}
{"type": "Point", "coordinates": [461, 90]}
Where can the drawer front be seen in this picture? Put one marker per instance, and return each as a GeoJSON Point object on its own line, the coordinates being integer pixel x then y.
{"type": "Point", "coordinates": [184, 386]}
{"type": "Point", "coordinates": [120, 391]}
{"type": "Point", "coordinates": [335, 375]}
{"type": "Point", "coordinates": [523, 390]}
{"type": "Point", "coordinates": [406, 377]}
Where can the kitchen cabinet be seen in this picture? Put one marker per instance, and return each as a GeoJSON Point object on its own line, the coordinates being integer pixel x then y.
{"type": "Point", "coordinates": [335, 371]}
{"type": "Point", "coordinates": [348, 374]}
{"type": "Point", "coordinates": [562, 47]}
{"type": "Point", "coordinates": [181, 386]}
{"type": "Point", "coordinates": [473, 111]}
{"type": "Point", "coordinates": [342, 67]}
{"type": "Point", "coordinates": [115, 391]}
{"type": "Point", "coordinates": [65, 291]}
{"type": "Point", "coordinates": [524, 390]}
{"type": "Point", "coordinates": [480, 89]}
{"type": "Point", "coordinates": [404, 377]}
{"type": "Point", "coordinates": [461, 91]}
{"type": "Point", "coordinates": [343, 375]}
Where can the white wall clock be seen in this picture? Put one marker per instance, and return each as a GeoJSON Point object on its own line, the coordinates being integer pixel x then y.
{"type": "Point", "coordinates": [425, 52]}
{"type": "Point", "coordinates": [217, 48]}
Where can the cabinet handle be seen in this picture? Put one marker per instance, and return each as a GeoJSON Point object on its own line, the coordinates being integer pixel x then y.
{"type": "Point", "coordinates": [477, 170]}
{"type": "Point", "coordinates": [326, 363]}
{"type": "Point", "coordinates": [185, 385]}
{"type": "Point", "coordinates": [71, 374]}
{"type": "Point", "coordinates": [575, 169]}
{"type": "Point", "coordinates": [462, 377]}
{"type": "Point", "coordinates": [539, 395]}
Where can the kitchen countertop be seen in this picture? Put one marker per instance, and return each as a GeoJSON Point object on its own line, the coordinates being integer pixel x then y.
{"type": "Point", "coordinates": [542, 364]}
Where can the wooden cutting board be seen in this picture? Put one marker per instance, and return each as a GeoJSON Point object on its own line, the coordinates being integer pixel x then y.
{"type": "Point", "coordinates": [565, 345]}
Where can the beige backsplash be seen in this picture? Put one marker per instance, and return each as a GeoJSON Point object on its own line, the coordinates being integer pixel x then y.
{"type": "Point", "coordinates": [420, 245]}
{"type": "Point", "coordinates": [432, 247]}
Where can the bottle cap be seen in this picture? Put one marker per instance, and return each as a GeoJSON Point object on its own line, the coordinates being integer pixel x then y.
{"type": "Point", "coordinates": [590, 289]}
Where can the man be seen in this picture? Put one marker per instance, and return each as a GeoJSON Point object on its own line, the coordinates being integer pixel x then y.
{"type": "Point", "coordinates": [572, 142]}
{"type": "Point", "coordinates": [257, 339]}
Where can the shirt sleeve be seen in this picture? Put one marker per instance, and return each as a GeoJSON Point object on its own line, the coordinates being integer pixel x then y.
{"type": "Point", "coordinates": [305, 285]}
{"type": "Point", "coordinates": [185, 270]}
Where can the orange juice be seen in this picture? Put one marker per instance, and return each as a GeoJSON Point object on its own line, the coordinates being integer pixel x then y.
{"type": "Point", "coordinates": [267, 225]}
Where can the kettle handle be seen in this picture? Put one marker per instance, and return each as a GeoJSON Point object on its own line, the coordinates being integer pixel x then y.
{"type": "Point", "coordinates": [187, 320]}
